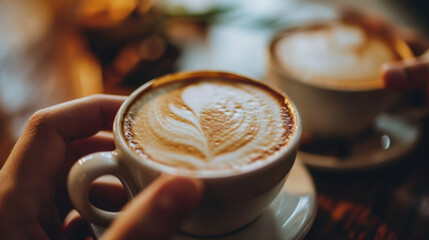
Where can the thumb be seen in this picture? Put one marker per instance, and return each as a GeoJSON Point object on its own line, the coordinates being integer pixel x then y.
{"type": "Point", "coordinates": [158, 211]}
{"type": "Point", "coordinates": [408, 74]}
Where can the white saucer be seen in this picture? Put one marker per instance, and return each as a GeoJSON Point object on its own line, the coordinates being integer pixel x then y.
{"type": "Point", "coordinates": [290, 216]}
{"type": "Point", "coordinates": [392, 139]}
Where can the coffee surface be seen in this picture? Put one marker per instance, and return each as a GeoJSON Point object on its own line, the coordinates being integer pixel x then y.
{"type": "Point", "coordinates": [208, 123]}
{"type": "Point", "coordinates": [335, 52]}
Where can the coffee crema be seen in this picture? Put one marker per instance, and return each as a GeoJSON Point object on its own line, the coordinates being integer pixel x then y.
{"type": "Point", "coordinates": [208, 123]}
{"type": "Point", "coordinates": [335, 54]}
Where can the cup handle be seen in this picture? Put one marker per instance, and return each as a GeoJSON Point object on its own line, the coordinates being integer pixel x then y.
{"type": "Point", "coordinates": [84, 172]}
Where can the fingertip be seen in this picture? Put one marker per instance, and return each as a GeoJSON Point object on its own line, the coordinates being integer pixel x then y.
{"type": "Point", "coordinates": [158, 211]}
{"type": "Point", "coordinates": [179, 194]}
{"type": "Point", "coordinates": [192, 183]}
{"type": "Point", "coordinates": [394, 77]}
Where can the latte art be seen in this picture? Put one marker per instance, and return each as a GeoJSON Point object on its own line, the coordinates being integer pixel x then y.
{"type": "Point", "coordinates": [334, 52]}
{"type": "Point", "coordinates": [209, 124]}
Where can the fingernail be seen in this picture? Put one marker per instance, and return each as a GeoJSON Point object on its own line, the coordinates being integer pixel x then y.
{"type": "Point", "coordinates": [394, 77]}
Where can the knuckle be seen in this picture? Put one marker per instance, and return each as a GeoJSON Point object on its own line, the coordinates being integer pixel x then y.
{"type": "Point", "coordinates": [40, 119]}
{"type": "Point", "coordinates": [96, 97]}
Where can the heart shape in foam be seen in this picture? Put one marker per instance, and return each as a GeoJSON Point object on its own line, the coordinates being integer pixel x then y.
{"type": "Point", "coordinates": [209, 123]}
{"type": "Point", "coordinates": [197, 97]}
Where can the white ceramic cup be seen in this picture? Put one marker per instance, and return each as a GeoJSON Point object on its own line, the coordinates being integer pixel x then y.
{"type": "Point", "coordinates": [231, 199]}
{"type": "Point", "coordinates": [332, 109]}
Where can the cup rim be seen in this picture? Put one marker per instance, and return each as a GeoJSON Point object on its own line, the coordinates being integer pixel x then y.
{"type": "Point", "coordinates": [123, 148]}
{"type": "Point", "coordinates": [400, 47]}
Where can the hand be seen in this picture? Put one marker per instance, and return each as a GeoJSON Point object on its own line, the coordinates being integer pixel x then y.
{"type": "Point", "coordinates": [408, 74]}
{"type": "Point", "coordinates": [411, 73]}
{"type": "Point", "coordinates": [33, 196]}
{"type": "Point", "coordinates": [402, 75]}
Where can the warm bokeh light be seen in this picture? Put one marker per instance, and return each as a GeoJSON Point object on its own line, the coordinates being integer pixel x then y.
{"type": "Point", "coordinates": [99, 13]}
{"type": "Point", "coordinates": [152, 48]}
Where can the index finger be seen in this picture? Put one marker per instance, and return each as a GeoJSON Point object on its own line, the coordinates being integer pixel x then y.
{"type": "Point", "coordinates": [41, 150]}
{"type": "Point", "coordinates": [79, 118]}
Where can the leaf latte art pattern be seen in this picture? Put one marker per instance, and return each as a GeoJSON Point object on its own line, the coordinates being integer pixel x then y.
{"type": "Point", "coordinates": [209, 124]}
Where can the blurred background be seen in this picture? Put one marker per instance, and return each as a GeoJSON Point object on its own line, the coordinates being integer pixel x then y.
{"type": "Point", "coordinates": [56, 50]}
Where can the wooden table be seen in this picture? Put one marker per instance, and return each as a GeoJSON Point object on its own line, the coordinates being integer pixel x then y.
{"type": "Point", "coordinates": [387, 203]}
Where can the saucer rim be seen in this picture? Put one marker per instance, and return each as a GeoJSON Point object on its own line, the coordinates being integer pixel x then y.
{"type": "Point", "coordinates": [337, 166]}
{"type": "Point", "coordinates": [300, 233]}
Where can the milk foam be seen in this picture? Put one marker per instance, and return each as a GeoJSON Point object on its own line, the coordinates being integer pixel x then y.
{"type": "Point", "coordinates": [208, 124]}
{"type": "Point", "coordinates": [336, 52]}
